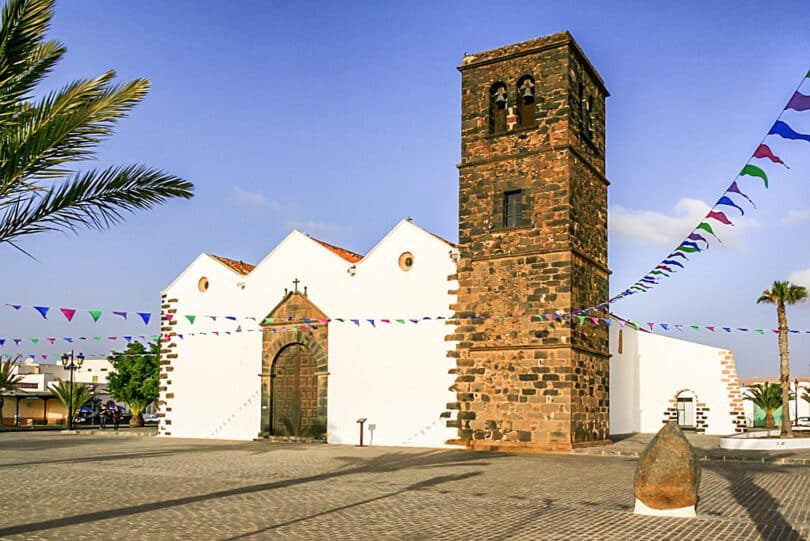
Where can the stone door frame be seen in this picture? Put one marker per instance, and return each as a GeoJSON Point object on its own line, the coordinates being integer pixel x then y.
{"type": "Point", "coordinates": [273, 344]}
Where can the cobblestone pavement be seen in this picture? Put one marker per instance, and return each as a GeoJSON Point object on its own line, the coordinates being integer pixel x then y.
{"type": "Point", "coordinates": [57, 486]}
{"type": "Point", "coordinates": [706, 447]}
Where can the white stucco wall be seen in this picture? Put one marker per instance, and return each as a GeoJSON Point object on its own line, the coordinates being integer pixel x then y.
{"type": "Point", "coordinates": [395, 375]}
{"type": "Point", "coordinates": [652, 369]}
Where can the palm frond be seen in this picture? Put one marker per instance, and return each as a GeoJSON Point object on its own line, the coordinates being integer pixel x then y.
{"type": "Point", "coordinates": [24, 24]}
{"type": "Point", "coordinates": [767, 396]}
{"type": "Point", "coordinates": [8, 373]}
{"type": "Point", "coordinates": [81, 395]}
{"type": "Point", "coordinates": [65, 126]}
{"type": "Point", "coordinates": [93, 199]}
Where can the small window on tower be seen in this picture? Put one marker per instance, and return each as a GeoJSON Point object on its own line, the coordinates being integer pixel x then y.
{"type": "Point", "coordinates": [512, 208]}
{"type": "Point", "coordinates": [497, 108]}
{"type": "Point", "coordinates": [526, 100]}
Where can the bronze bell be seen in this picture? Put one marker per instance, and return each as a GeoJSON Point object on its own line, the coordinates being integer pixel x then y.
{"type": "Point", "coordinates": [500, 96]}
{"type": "Point", "coordinates": [527, 90]}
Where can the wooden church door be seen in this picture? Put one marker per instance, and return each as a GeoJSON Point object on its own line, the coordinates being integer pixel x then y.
{"type": "Point", "coordinates": [294, 392]}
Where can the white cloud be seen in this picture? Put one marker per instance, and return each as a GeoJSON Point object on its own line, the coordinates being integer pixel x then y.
{"type": "Point", "coordinates": [287, 214]}
{"type": "Point", "coordinates": [657, 228]}
{"type": "Point", "coordinates": [250, 199]}
{"type": "Point", "coordinates": [795, 216]}
{"type": "Point", "coordinates": [801, 277]}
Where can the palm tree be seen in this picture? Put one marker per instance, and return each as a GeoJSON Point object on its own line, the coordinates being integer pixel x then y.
{"type": "Point", "coordinates": [8, 377]}
{"type": "Point", "coordinates": [806, 397]}
{"type": "Point", "coordinates": [768, 397]}
{"type": "Point", "coordinates": [81, 396]}
{"type": "Point", "coordinates": [781, 293]}
{"type": "Point", "coordinates": [41, 139]}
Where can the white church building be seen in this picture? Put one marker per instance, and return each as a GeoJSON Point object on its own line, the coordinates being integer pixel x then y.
{"type": "Point", "coordinates": [315, 337]}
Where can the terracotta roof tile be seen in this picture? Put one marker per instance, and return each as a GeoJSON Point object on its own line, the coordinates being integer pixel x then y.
{"type": "Point", "coordinates": [239, 266]}
{"type": "Point", "coordinates": [351, 257]}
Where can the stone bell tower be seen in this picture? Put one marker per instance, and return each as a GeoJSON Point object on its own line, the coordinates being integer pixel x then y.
{"type": "Point", "coordinates": [532, 240]}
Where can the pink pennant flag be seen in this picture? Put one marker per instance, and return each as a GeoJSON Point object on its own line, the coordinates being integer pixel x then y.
{"type": "Point", "coordinates": [679, 327]}
{"type": "Point", "coordinates": [68, 312]}
{"type": "Point", "coordinates": [719, 216]}
{"type": "Point", "coordinates": [711, 328]}
{"type": "Point", "coordinates": [44, 356]}
{"type": "Point", "coordinates": [325, 321]}
{"type": "Point", "coordinates": [51, 340]}
{"type": "Point", "coordinates": [775, 331]}
{"type": "Point", "coordinates": [763, 151]}
{"type": "Point", "coordinates": [169, 317]}
{"type": "Point", "coordinates": [595, 320]}
{"type": "Point", "coordinates": [650, 325]}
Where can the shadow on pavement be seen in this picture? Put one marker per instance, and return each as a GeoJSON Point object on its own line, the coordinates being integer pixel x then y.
{"type": "Point", "coordinates": [384, 463]}
{"type": "Point", "coordinates": [761, 506]}
{"type": "Point", "coordinates": [416, 486]}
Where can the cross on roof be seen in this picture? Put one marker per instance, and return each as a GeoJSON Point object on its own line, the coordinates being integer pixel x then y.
{"type": "Point", "coordinates": [296, 282]}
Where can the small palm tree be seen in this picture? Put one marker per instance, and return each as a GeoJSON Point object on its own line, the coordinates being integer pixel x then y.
{"type": "Point", "coordinates": [780, 294]}
{"type": "Point", "coordinates": [81, 396]}
{"type": "Point", "coordinates": [41, 139]}
{"type": "Point", "coordinates": [806, 397]}
{"type": "Point", "coordinates": [8, 377]}
{"type": "Point", "coordinates": [768, 397]}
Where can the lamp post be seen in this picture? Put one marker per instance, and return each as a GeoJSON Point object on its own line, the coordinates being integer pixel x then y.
{"type": "Point", "coordinates": [71, 364]}
{"type": "Point", "coordinates": [796, 402]}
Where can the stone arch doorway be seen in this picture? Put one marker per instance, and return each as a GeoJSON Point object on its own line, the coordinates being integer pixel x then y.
{"type": "Point", "coordinates": [295, 371]}
{"type": "Point", "coordinates": [293, 391]}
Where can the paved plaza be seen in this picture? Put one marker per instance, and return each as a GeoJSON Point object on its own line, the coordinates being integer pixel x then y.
{"type": "Point", "coordinates": [57, 486]}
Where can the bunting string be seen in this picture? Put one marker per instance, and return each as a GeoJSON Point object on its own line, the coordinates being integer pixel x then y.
{"type": "Point", "coordinates": [308, 325]}
{"type": "Point", "coordinates": [696, 241]}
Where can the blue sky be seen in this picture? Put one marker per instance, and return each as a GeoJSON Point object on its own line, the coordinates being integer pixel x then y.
{"type": "Point", "coordinates": [341, 118]}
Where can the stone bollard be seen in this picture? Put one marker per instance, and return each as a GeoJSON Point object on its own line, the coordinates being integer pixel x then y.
{"type": "Point", "coordinates": [667, 476]}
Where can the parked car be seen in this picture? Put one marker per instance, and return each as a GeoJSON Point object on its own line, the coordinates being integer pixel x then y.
{"type": "Point", "coordinates": [150, 418]}
{"type": "Point", "coordinates": [803, 421]}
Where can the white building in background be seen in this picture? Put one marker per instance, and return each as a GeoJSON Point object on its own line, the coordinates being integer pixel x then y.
{"type": "Point", "coordinates": [232, 378]}
{"type": "Point", "coordinates": [798, 408]}
{"type": "Point", "coordinates": [655, 379]}
{"type": "Point", "coordinates": [239, 382]}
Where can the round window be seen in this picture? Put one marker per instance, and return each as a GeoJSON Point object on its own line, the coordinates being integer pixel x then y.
{"type": "Point", "coordinates": [202, 285]}
{"type": "Point", "coordinates": [406, 261]}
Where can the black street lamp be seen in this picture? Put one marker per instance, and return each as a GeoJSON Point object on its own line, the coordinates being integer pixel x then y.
{"type": "Point", "coordinates": [71, 364]}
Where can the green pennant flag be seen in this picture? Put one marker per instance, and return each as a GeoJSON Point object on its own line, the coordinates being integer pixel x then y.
{"type": "Point", "coordinates": [35, 340]}
{"type": "Point", "coordinates": [687, 249]}
{"type": "Point", "coordinates": [191, 319]}
{"type": "Point", "coordinates": [696, 327]}
{"type": "Point", "coordinates": [808, 74]}
{"type": "Point", "coordinates": [708, 229]}
{"type": "Point", "coordinates": [269, 319]}
{"type": "Point", "coordinates": [581, 319]}
{"type": "Point", "coordinates": [636, 324]}
{"type": "Point", "coordinates": [95, 314]}
{"type": "Point", "coordinates": [97, 338]}
{"type": "Point", "coordinates": [760, 331]}
{"type": "Point", "coordinates": [340, 319]}
{"type": "Point", "coordinates": [660, 272]}
{"type": "Point", "coordinates": [755, 171]}
{"type": "Point", "coordinates": [454, 316]}
{"type": "Point", "coordinates": [295, 328]}
{"type": "Point", "coordinates": [400, 321]}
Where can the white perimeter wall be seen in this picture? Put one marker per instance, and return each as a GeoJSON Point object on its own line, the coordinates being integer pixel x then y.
{"type": "Point", "coordinates": [395, 375]}
{"type": "Point", "coordinates": [650, 371]}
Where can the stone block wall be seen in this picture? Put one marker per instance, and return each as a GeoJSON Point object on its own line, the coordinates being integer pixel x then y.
{"type": "Point", "coordinates": [525, 382]}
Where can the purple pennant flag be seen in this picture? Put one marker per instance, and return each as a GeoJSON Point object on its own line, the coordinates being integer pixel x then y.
{"type": "Point", "coordinates": [725, 200]}
{"type": "Point", "coordinates": [145, 316]}
{"type": "Point", "coordinates": [678, 254]}
{"type": "Point", "coordinates": [679, 327]}
{"type": "Point", "coordinates": [799, 102]}
{"type": "Point", "coordinates": [698, 237]}
{"type": "Point", "coordinates": [17, 341]}
{"type": "Point", "coordinates": [15, 306]}
{"type": "Point", "coordinates": [356, 322]}
{"type": "Point", "coordinates": [122, 314]}
{"type": "Point", "coordinates": [735, 189]}
{"type": "Point", "coordinates": [621, 323]}
{"type": "Point", "coordinates": [43, 310]}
